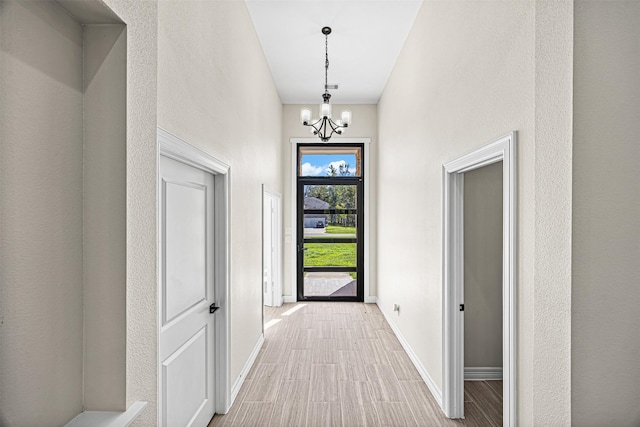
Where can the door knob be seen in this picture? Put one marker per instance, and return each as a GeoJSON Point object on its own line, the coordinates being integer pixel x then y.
{"type": "Point", "coordinates": [213, 308]}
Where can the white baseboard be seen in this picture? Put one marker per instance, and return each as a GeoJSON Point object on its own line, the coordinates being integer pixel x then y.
{"type": "Point", "coordinates": [370, 300]}
{"type": "Point", "coordinates": [435, 391]}
{"type": "Point", "coordinates": [245, 370]}
{"type": "Point", "coordinates": [290, 298]}
{"type": "Point", "coordinates": [482, 374]}
{"type": "Point", "coordinates": [108, 418]}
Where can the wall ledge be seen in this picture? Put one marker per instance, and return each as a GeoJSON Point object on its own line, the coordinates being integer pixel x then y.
{"type": "Point", "coordinates": [108, 418]}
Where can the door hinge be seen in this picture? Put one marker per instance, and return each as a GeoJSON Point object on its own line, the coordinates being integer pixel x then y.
{"type": "Point", "coordinates": [461, 307]}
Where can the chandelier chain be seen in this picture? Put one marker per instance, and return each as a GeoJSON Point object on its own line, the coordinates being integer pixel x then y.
{"type": "Point", "coordinates": [326, 61]}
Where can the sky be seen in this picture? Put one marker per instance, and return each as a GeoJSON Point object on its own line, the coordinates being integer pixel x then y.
{"type": "Point", "coordinates": [318, 164]}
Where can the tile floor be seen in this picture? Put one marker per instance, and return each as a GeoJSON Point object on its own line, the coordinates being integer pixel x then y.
{"type": "Point", "coordinates": [339, 364]}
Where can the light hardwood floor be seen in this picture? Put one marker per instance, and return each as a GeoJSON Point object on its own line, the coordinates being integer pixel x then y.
{"type": "Point", "coordinates": [340, 364]}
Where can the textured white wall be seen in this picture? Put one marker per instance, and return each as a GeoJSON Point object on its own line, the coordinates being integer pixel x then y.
{"type": "Point", "coordinates": [41, 214]}
{"type": "Point", "coordinates": [216, 92]}
{"type": "Point", "coordinates": [365, 125]}
{"type": "Point", "coordinates": [470, 72]}
{"type": "Point", "coordinates": [464, 77]}
{"type": "Point", "coordinates": [141, 295]}
{"type": "Point", "coordinates": [483, 267]}
{"type": "Point", "coordinates": [606, 214]}
{"type": "Point", "coordinates": [551, 382]}
{"type": "Point", "coordinates": [105, 256]}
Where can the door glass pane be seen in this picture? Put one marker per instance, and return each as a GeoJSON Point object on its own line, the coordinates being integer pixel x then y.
{"type": "Point", "coordinates": [330, 255]}
{"type": "Point", "coordinates": [331, 161]}
{"type": "Point", "coordinates": [329, 284]}
{"type": "Point", "coordinates": [330, 197]}
{"type": "Point", "coordinates": [334, 226]}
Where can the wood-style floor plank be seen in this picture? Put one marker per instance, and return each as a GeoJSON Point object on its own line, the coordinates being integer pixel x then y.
{"type": "Point", "coordinates": [395, 414]}
{"type": "Point", "coordinates": [421, 402]}
{"type": "Point", "coordinates": [357, 406]}
{"type": "Point", "coordinates": [383, 383]}
{"type": "Point", "coordinates": [324, 383]}
{"type": "Point", "coordinates": [324, 414]}
{"type": "Point", "coordinates": [253, 414]}
{"type": "Point", "coordinates": [350, 366]}
{"type": "Point", "coordinates": [496, 386]}
{"type": "Point", "coordinates": [402, 366]}
{"type": "Point", "coordinates": [487, 400]}
{"type": "Point", "coordinates": [298, 366]}
{"type": "Point", "coordinates": [265, 383]}
{"type": "Point", "coordinates": [290, 408]}
{"type": "Point", "coordinates": [339, 364]}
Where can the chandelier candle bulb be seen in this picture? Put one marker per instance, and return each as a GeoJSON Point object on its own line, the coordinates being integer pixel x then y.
{"type": "Point", "coordinates": [305, 116]}
{"type": "Point", "coordinates": [325, 110]}
{"type": "Point", "coordinates": [346, 118]}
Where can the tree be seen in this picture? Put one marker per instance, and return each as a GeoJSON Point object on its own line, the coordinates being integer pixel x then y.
{"type": "Point", "coordinates": [344, 170]}
{"type": "Point", "coordinates": [338, 196]}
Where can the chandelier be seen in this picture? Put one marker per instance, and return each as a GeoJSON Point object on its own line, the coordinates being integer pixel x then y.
{"type": "Point", "coordinates": [325, 127]}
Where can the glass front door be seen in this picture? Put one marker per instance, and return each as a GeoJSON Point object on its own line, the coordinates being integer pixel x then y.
{"type": "Point", "coordinates": [330, 222]}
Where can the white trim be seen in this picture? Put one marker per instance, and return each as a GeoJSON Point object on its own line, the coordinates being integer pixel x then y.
{"type": "Point", "coordinates": [108, 418]}
{"type": "Point", "coordinates": [294, 214]}
{"type": "Point", "coordinates": [433, 388]}
{"type": "Point", "coordinates": [175, 148]}
{"type": "Point", "coordinates": [245, 371]}
{"type": "Point", "coordinates": [290, 298]}
{"type": "Point", "coordinates": [370, 300]}
{"type": "Point", "coordinates": [503, 149]}
{"type": "Point", "coordinates": [482, 374]}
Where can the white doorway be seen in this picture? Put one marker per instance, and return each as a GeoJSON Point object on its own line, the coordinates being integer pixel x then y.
{"type": "Point", "coordinates": [271, 248]}
{"type": "Point", "coordinates": [502, 150]}
{"type": "Point", "coordinates": [193, 347]}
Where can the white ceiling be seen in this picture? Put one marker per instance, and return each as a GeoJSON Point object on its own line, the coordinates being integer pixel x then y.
{"type": "Point", "coordinates": [363, 47]}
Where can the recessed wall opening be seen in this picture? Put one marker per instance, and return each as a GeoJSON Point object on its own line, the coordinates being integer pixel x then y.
{"type": "Point", "coordinates": [64, 99]}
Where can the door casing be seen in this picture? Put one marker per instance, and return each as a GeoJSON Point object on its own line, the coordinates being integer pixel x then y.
{"type": "Point", "coordinates": [291, 233]}
{"type": "Point", "coordinates": [353, 181]}
{"type": "Point", "coordinates": [276, 220]}
{"type": "Point", "coordinates": [503, 149]}
{"type": "Point", "coordinates": [175, 148]}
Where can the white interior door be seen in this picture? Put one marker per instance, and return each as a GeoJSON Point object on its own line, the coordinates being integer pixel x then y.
{"type": "Point", "coordinates": [268, 250]}
{"type": "Point", "coordinates": [186, 293]}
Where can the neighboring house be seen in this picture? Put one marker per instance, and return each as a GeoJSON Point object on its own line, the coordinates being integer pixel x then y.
{"type": "Point", "coordinates": [314, 220]}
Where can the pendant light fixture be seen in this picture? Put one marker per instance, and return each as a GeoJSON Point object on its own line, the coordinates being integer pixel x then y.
{"type": "Point", "coordinates": [325, 127]}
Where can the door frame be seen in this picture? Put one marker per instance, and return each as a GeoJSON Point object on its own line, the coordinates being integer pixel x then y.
{"type": "Point", "coordinates": [358, 182]}
{"type": "Point", "coordinates": [503, 149]}
{"type": "Point", "coordinates": [294, 204]}
{"type": "Point", "coordinates": [175, 148]}
{"type": "Point", "coordinates": [277, 296]}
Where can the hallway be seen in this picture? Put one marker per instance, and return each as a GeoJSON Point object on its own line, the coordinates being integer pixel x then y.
{"type": "Point", "coordinates": [339, 364]}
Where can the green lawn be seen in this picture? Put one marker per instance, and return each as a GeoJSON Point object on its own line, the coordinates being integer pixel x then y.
{"type": "Point", "coordinates": [336, 229]}
{"type": "Point", "coordinates": [330, 255]}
